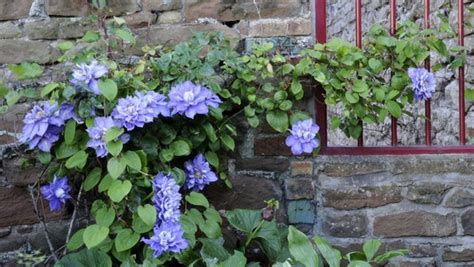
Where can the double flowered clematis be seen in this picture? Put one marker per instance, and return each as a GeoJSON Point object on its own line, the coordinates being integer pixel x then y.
{"type": "Point", "coordinates": [167, 233]}
{"type": "Point", "coordinates": [86, 76]}
{"type": "Point", "coordinates": [190, 99]}
{"type": "Point", "coordinates": [97, 135]}
{"type": "Point", "coordinates": [423, 83]}
{"type": "Point", "coordinates": [136, 111]}
{"type": "Point", "coordinates": [167, 198]}
{"type": "Point", "coordinates": [44, 123]}
{"type": "Point", "coordinates": [57, 192]}
{"type": "Point", "coordinates": [303, 137]}
{"type": "Point", "coordinates": [198, 173]}
{"type": "Point", "coordinates": [167, 237]}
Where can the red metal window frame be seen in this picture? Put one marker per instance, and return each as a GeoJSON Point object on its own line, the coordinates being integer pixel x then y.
{"type": "Point", "coordinates": [394, 149]}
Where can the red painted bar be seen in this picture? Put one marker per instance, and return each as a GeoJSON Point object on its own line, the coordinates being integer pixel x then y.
{"type": "Point", "coordinates": [427, 66]}
{"type": "Point", "coordinates": [358, 25]}
{"type": "Point", "coordinates": [398, 150]}
{"type": "Point", "coordinates": [321, 108]}
{"type": "Point", "coordinates": [393, 29]}
{"type": "Point", "coordinates": [462, 108]}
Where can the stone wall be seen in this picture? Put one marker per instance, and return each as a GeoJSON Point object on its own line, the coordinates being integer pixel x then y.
{"type": "Point", "coordinates": [424, 203]}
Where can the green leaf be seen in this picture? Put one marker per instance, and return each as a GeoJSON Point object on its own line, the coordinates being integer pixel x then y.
{"type": "Point", "coordinates": [393, 108]}
{"type": "Point", "coordinates": [76, 240]}
{"type": "Point", "coordinates": [26, 71]}
{"type": "Point", "coordinates": [115, 147]}
{"type": "Point", "coordinates": [126, 239]}
{"type": "Point", "coordinates": [44, 157]}
{"type": "Point", "coordinates": [211, 229]}
{"type": "Point", "coordinates": [389, 255]}
{"type": "Point", "coordinates": [105, 216]}
{"type": "Point", "coordinates": [64, 46]}
{"type": "Point", "coordinates": [236, 260]}
{"type": "Point", "coordinates": [106, 183]}
{"type": "Point", "coordinates": [375, 65]}
{"type": "Point", "coordinates": [90, 37]}
{"type": "Point", "coordinates": [94, 234]}
{"type": "Point", "coordinates": [12, 98]}
{"type": "Point", "coordinates": [125, 35]}
{"type": "Point", "coordinates": [116, 167]}
{"type": "Point", "coordinates": [197, 199]}
{"type": "Point", "coordinates": [352, 97]}
{"type": "Point", "coordinates": [213, 248]}
{"type": "Point", "coordinates": [211, 133]}
{"type": "Point", "coordinates": [133, 160]}
{"type": "Point", "coordinates": [166, 155]}
{"type": "Point", "coordinates": [278, 120]}
{"type": "Point", "coordinates": [370, 248]}
{"type": "Point", "coordinates": [298, 116]}
{"type": "Point", "coordinates": [359, 264]}
{"type": "Point", "coordinates": [360, 86]}
{"type": "Point", "coordinates": [331, 255]}
{"type": "Point", "coordinates": [92, 179]}
{"type": "Point", "coordinates": [70, 132]}
{"type": "Point", "coordinates": [301, 248]}
{"type": "Point", "coordinates": [228, 141]}
{"type": "Point", "coordinates": [48, 89]}
{"type": "Point", "coordinates": [139, 226]}
{"type": "Point", "coordinates": [119, 189]}
{"type": "Point", "coordinates": [79, 159]}
{"type": "Point", "coordinates": [296, 87]}
{"type": "Point", "coordinates": [180, 148]}
{"type": "Point", "coordinates": [212, 158]}
{"type": "Point", "coordinates": [148, 214]}
{"type": "Point", "coordinates": [243, 219]}
{"type": "Point", "coordinates": [108, 88]}
{"type": "Point", "coordinates": [85, 258]}
{"type": "Point", "coordinates": [112, 134]}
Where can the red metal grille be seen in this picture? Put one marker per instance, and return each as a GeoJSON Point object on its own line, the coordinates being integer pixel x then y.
{"type": "Point", "coordinates": [427, 147]}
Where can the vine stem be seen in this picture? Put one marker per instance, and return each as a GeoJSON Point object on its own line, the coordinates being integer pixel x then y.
{"type": "Point", "coordinates": [73, 218]}
{"type": "Point", "coordinates": [40, 219]}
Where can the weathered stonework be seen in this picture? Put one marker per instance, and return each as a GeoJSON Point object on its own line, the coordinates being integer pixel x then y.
{"type": "Point", "coordinates": [423, 203]}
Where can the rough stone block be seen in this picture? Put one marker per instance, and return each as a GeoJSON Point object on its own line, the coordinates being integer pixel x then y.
{"type": "Point", "coordinates": [17, 51]}
{"type": "Point", "coordinates": [467, 220]}
{"type": "Point", "coordinates": [427, 193]}
{"type": "Point", "coordinates": [299, 188]}
{"type": "Point", "coordinates": [415, 223]}
{"type": "Point", "coordinates": [67, 8]}
{"type": "Point", "coordinates": [246, 193]}
{"type": "Point", "coordinates": [17, 208]}
{"type": "Point", "coordinates": [46, 29]}
{"type": "Point", "coordinates": [301, 168]}
{"type": "Point", "coordinates": [18, 176]}
{"type": "Point", "coordinates": [9, 30]}
{"type": "Point", "coordinates": [262, 164]}
{"type": "Point", "coordinates": [271, 146]}
{"type": "Point", "coordinates": [140, 19]}
{"type": "Point", "coordinates": [460, 198]}
{"type": "Point", "coordinates": [364, 197]}
{"type": "Point", "coordinates": [224, 10]}
{"type": "Point", "coordinates": [348, 225]}
{"type": "Point", "coordinates": [301, 211]}
{"type": "Point", "coordinates": [458, 254]}
{"type": "Point", "coordinates": [161, 5]}
{"type": "Point", "coordinates": [170, 17]}
{"type": "Point", "coordinates": [119, 7]}
{"type": "Point", "coordinates": [172, 34]}
{"type": "Point", "coordinates": [275, 27]}
{"type": "Point", "coordinates": [14, 9]}
{"type": "Point", "coordinates": [57, 28]}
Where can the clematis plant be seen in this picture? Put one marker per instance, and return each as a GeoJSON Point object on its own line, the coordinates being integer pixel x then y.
{"type": "Point", "coordinates": [145, 140]}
